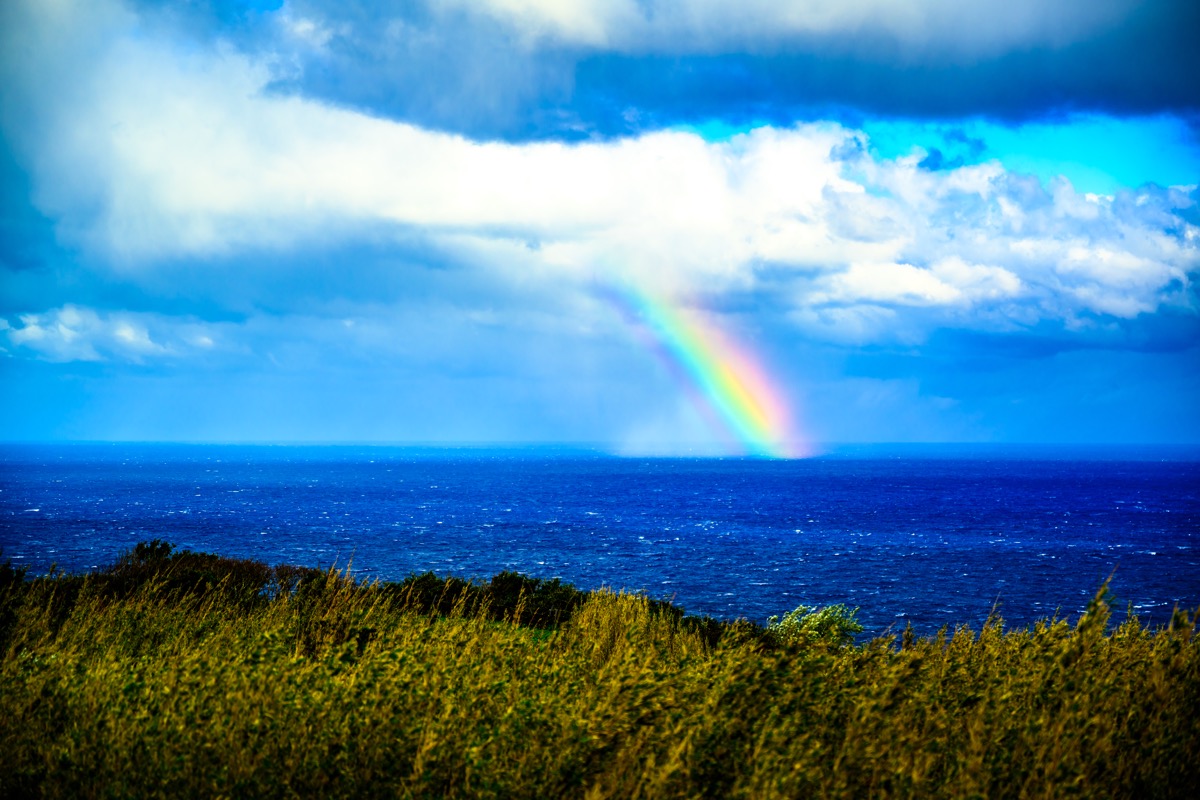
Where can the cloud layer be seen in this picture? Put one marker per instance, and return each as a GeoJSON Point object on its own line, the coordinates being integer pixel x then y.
{"type": "Point", "coordinates": [241, 193]}
{"type": "Point", "coordinates": [520, 69]}
{"type": "Point", "coordinates": [935, 29]}
{"type": "Point", "coordinates": [197, 160]}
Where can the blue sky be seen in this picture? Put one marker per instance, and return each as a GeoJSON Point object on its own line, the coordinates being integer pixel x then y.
{"type": "Point", "coordinates": [396, 222]}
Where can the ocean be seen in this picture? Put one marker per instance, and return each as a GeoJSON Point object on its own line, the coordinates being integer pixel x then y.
{"type": "Point", "coordinates": [932, 535]}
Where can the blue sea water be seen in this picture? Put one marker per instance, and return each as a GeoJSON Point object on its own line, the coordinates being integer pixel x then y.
{"type": "Point", "coordinates": [934, 535]}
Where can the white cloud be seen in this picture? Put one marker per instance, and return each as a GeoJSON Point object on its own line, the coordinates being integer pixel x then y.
{"type": "Point", "coordinates": [62, 335]}
{"type": "Point", "coordinates": [949, 28]}
{"type": "Point", "coordinates": [307, 32]}
{"type": "Point", "coordinates": [977, 281]}
{"type": "Point", "coordinates": [590, 23]}
{"type": "Point", "coordinates": [157, 155]}
{"type": "Point", "coordinates": [74, 333]}
{"type": "Point", "coordinates": [901, 284]}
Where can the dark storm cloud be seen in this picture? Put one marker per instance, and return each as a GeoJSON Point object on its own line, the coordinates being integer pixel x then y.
{"type": "Point", "coordinates": [454, 67]}
{"type": "Point", "coordinates": [1145, 67]}
{"type": "Point", "coordinates": [467, 72]}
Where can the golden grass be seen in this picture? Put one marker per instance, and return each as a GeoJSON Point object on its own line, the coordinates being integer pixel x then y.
{"type": "Point", "coordinates": [160, 685]}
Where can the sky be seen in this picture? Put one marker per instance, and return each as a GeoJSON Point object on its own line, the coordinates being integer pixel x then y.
{"type": "Point", "coordinates": [651, 226]}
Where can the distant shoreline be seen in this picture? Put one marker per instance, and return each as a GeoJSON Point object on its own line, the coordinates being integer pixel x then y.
{"type": "Point", "coordinates": [1136, 451]}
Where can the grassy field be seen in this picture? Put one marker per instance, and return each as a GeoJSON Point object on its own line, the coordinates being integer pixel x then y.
{"type": "Point", "coordinates": [181, 674]}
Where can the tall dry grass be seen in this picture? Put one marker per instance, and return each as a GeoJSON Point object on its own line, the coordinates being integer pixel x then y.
{"type": "Point", "coordinates": [186, 675]}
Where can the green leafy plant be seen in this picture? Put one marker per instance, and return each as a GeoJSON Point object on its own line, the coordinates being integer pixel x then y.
{"type": "Point", "coordinates": [831, 626]}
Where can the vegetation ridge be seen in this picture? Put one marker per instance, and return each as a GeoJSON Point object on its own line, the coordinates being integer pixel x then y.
{"type": "Point", "coordinates": [177, 673]}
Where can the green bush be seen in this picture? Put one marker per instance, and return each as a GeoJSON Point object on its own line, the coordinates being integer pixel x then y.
{"type": "Point", "coordinates": [831, 626]}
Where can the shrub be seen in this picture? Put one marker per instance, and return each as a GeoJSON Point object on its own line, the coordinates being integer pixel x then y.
{"type": "Point", "coordinates": [532, 601]}
{"type": "Point", "coordinates": [832, 626]}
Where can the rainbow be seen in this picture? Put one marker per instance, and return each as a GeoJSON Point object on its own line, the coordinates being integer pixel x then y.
{"type": "Point", "coordinates": [724, 381]}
